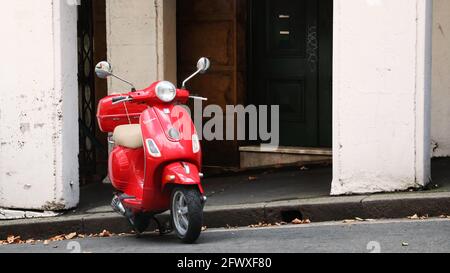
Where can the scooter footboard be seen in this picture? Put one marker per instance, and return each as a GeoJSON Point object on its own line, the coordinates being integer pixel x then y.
{"type": "Point", "coordinates": [182, 173]}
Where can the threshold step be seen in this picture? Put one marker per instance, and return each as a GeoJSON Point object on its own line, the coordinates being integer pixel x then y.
{"type": "Point", "coordinates": [256, 157]}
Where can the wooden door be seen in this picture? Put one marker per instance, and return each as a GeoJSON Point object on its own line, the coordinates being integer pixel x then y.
{"type": "Point", "coordinates": [291, 67]}
{"type": "Point", "coordinates": [214, 29]}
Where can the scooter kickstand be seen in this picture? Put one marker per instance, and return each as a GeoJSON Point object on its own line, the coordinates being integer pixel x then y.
{"type": "Point", "coordinates": [163, 230]}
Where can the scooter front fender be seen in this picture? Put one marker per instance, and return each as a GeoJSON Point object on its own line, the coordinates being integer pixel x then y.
{"type": "Point", "coordinates": [181, 173]}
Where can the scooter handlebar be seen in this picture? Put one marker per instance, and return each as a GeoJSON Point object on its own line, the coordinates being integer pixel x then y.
{"type": "Point", "coordinates": [120, 99]}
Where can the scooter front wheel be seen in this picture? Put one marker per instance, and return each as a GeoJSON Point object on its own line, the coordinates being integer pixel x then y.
{"type": "Point", "coordinates": [186, 213]}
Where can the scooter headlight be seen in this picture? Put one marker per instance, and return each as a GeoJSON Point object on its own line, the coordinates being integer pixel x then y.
{"type": "Point", "coordinates": [166, 91]}
{"type": "Point", "coordinates": [195, 144]}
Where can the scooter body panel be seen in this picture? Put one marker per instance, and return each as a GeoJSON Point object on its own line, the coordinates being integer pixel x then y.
{"type": "Point", "coordinates": [139, 173]}
{"type": "Point", "coordinates": [126, 170]}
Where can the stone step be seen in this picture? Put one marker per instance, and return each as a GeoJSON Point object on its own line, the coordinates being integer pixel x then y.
{"type": "Point", "coordinates": [257, 157]}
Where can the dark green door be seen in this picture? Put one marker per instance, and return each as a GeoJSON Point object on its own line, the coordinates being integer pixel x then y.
{"type": "Point", "coordinates": [286, 68]}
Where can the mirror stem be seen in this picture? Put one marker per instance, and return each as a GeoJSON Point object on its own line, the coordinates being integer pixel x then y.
{"type": "Point", "coordinates": [133, 89]}
{"type": "Point", "coordinates": [189, 78]}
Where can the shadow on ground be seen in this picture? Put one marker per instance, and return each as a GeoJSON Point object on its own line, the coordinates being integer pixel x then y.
{"type": "Point", "coordinates": [258, 187]}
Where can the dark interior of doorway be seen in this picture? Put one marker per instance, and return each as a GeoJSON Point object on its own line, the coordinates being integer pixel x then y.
{"type": "Point", "coordinates": [258, 28]}
{"type": "Point", "coordinates": [91, 49]}
{"type": "Point", "coordinates": [222, 31]}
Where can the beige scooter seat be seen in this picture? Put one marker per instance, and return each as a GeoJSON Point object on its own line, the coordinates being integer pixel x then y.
{"type": "Point", "coordinates": [128, 136]}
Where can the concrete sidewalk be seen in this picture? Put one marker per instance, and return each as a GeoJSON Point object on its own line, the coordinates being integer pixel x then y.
{"type": "Point", "coordinates": [250, 198]}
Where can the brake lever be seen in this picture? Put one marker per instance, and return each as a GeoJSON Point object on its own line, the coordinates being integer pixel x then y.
{"type": "Point", "coordinates": [198, 98]}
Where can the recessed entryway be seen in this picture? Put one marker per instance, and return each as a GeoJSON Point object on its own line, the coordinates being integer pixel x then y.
{"type": "Point", "coordinates": [271, 52]}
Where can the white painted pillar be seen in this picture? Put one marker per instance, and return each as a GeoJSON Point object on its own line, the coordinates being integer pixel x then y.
{"type": "Point", "coordinates": [382, 81]}
{"type": "Point", "coordinates": [38, 105]}
{"type": "Point", "coordinates": [141, 37]}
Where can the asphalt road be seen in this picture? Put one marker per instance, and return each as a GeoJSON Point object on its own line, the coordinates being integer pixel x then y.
{"type": "Point", "coordinates": [388, 236]}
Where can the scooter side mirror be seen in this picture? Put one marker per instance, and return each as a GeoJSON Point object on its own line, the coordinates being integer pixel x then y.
{"type": "Point", "coordinates": [103, 70]}
{"type": "Point", "coordinates": [203, 65]}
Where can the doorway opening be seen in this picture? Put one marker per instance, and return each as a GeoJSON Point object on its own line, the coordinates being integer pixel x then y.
{"type": "Point", "coordinates": [91, 49]}
{"type": "Point", "coordinates": [291, 65]}
{"type": "Point", "coordinates": [265, 52]}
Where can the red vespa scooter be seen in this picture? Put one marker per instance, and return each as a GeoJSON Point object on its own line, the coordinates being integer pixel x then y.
{"type": "Point", "coordinates": [156, 161]}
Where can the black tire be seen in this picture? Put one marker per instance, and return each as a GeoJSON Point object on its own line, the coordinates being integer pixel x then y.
{"type": "Point", "coordinates": [194, 214]}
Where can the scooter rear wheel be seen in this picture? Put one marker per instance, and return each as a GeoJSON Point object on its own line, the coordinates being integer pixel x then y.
{"type": "Point", "coordinates": [186, 213]}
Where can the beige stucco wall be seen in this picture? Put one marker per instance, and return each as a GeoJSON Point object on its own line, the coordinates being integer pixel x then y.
{"type": "Point", "coordinates": [141, 38]}
{"type": "Point", "coordinates": [440, 130]}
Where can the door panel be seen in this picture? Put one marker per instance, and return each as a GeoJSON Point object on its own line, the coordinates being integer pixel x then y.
{"type": "Point", "coordinates": [285, 66]}
{"type": "Point", "coordinates": [217, 30]}
{"type": "Point", "coordinates": [286, 26]}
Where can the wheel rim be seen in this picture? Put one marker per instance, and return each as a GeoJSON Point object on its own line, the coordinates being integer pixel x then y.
{"type": "Point", "coordinates": [180, 213]}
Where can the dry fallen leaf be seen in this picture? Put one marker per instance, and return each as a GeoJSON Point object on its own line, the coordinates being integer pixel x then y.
{"type": "Point", "coordinates": [414, 217]}
{"type": "Point", "coordinates": [70, 236]}
{"type": "Point", "coordinates": [256, 226]}
{"type": "Point", "coordinates": [417, 217]}
{"type": "Point", "coordinates": [105, 233]}
{"type": "Point", "coordinates": [13, 239]}
{"type": "Point", "coordinates": [57, 238]}
{"type": "Point", "coordinates": [297, 221]}
{"type": "Point", "coordinates": [30, 241]}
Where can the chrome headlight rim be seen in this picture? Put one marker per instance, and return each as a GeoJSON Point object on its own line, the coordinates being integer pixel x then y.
{"type": "Point", "coordinates": [166, 91]}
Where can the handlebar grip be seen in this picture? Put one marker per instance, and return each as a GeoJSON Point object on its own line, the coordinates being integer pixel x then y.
{"type": "Point", "coordinates": [117, 99]}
